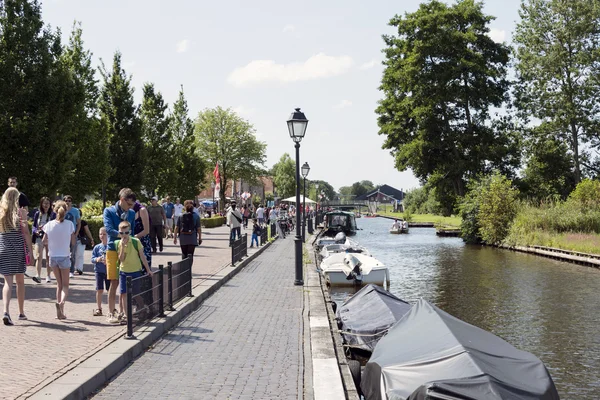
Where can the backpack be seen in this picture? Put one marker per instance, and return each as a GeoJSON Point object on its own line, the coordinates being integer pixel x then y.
{"type": "Point", "coordinates": [187, 224]}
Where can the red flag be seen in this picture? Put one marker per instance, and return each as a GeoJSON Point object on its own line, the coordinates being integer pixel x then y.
{"type": "Point", "coordinates": [216, 174]}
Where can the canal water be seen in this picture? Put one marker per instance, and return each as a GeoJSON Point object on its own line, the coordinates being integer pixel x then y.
{"type": "Point", "coordinates": [546, 307]}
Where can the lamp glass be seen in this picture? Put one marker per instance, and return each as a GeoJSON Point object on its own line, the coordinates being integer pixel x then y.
{"type": "Point", "coordinates": [305, 169]}
{"type": "Point", "coordinates": [297, 125]}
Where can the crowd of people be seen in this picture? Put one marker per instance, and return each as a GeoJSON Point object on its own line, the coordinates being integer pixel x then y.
{"type": "Point", "coordinates": [59, 237]}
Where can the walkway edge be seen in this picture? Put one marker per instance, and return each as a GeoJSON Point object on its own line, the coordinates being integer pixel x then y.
{"type": "Point", "coordinates": [101, 367]}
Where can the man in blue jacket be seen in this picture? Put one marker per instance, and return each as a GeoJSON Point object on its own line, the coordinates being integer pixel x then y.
{"type": "Point", "coordinates": [121, 211]}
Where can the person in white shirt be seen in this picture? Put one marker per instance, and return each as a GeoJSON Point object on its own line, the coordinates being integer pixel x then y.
{"type": "Point", "coordinates": [234, 221]}
{"type": "Point", "coordinates": [260, 214]}
{"type": "Point", "coordinates": [177, 211]}
{"type": "Point", "coordinates": [396, 225]}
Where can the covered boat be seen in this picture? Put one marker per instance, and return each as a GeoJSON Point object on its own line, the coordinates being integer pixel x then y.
{"type": "Point", "coordinates": [340, 221]}
{"type": "Point", "coordinates": [349, 246]}
{"type": "Point", "coordinates": [429, 354]}
{"type": "Point", "coordinates": [350, 269]}
{"type": "Point", "coordinates": [365, 318]}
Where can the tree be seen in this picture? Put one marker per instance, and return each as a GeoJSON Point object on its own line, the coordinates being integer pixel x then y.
{"type": "Point", "coordinates": [284, 176]}
{"type": "Point", "coordinates": [442, 75]}
{"type": "Point", "coordinates": [158, 171]}
{"type": "Point", "coordinates": [557, 52]}
{"type": "Point", "coordinates": [362, 187]}
{"type": "Point", "coordinates": [189, 168]}
{"type": "Point", "coordinates": [226, 139]}
{"type": "Point", "coordinates": [89, 167]}
{"type": "Point", "coordinates": [118, 116]}
{"type": "Point", "coordinates": [36, 101]}
{"type": "Point", "coordinates": [345, 191]}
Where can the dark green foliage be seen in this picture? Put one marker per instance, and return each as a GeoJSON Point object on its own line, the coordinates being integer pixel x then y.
{"type": "Point", "coordinates": [212, 222]}
{"type": "Point", "coordinates": [422, 200]}
{"type": "Point", "coordinates": [189, 168]}
{"type": "Point", "coordinates": [442, 75]}
{"type": "Point", "coordinates": [284, 176]}
{"type": "Point", "coordinates": [36, 101]}
{"type": "Point", "coordinates": [118, 116]}
{"type": "Point", "coordinates": [362, 187]}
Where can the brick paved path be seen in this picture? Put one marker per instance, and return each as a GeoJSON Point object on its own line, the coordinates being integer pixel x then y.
{"type": "Point", "coordinates": [244, 342]}
{"type": "Point", "coordinates": [37, 351]}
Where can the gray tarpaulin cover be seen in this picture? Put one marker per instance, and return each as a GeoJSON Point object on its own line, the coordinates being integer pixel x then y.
{"type": "Point", "coordinates": [430, 352]}
{"type": "Point", "coordinates": [365, 317]}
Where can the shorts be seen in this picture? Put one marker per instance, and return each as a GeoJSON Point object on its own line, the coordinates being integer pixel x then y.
{"type": "Point", "coordinates": [112, 272]}
{"type": "Point", "coordinates": [260, 221]}
{"type": "Point", "coordinates": [169, 223]}
{"type": "Point", "coordinates": [60, 262]}
{"type": "Point", "coordinates": [136, 284]}
{"type": "Point", "coordinates": [101, 281]}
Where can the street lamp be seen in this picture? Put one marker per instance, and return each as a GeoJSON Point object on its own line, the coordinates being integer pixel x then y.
{"type": "Point", "coordinates": [297, 128]}
{"type": "Point", "coordinates": [305, 171]}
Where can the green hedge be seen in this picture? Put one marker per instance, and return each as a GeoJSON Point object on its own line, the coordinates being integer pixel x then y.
{"type": "Point", "coordinates": [212, 222]}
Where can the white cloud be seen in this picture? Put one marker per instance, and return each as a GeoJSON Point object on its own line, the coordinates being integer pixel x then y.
{"type": "Point", "coordinates": [289, 28]}
{"type": "Point", "coordinates": [343, 104]}
{"type": "Point", "coordinates": [244, 111]}
{"type": "Point", "coordinates": [497, 35]}
{"type": "Point", "coordinates": [183, 46]}
{"type": "Point", "coordinates": [369, 65]}
{"type": "Point", "coordinates": [316, 67]}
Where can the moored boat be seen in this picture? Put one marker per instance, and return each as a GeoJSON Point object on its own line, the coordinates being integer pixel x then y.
{"type": "Point", "coordinates": [350, 269]}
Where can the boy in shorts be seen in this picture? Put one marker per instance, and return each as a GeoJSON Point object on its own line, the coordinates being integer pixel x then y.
{"type": "Point", "coordinates": [131, 259]}
{"type": "Point", "coordinates": [99, 261]}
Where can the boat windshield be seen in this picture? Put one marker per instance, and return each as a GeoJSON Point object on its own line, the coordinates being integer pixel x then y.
{"type": "Point", "coordinates": [338, 220]}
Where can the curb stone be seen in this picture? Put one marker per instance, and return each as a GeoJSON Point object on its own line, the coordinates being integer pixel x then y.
{"type": "Point", "coordinates": [98, 369]}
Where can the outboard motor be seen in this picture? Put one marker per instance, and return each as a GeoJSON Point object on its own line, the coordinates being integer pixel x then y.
{"type": "Point", "coordinates": [340, 238]}
{"type": "Point", "coordinates": [354, 263]}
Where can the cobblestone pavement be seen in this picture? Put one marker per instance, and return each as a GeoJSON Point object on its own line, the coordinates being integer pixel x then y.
{"type": "Point", "coordinates": [37, 351]}
{"type": "Point", "coordinates": [244, 342]}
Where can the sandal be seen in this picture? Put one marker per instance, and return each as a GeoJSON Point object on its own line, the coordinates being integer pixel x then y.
{"type": "Point", "coordinates": [98, 312]}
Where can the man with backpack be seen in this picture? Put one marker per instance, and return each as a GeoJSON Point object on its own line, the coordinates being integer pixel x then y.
{"type": "Point", "coordinates": [188, 230]}
{"type": "Point", "coordinates": [234, 222]}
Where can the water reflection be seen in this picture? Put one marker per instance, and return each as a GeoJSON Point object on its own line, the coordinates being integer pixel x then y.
{"type": "Point", "coordinates": [546, 307]}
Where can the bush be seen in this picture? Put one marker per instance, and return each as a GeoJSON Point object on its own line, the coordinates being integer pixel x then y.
{"type": "Point", "coordinates": [94, 224]}
{"type": "Point", "coordinates": [92, 208]}
{"type": "Point", "coordinates": [587, 194]}
{"type": "Point", "coordinates": [469, 209]}
{"type": "Point", "coordinates": [212, 222]}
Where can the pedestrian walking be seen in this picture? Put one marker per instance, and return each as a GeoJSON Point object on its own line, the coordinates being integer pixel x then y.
{"type": "Point", "coordinates": [41, 217]}
{"type": "Point", "coordinates": [23, 200]}
{"type": "Point", "coordinates": [177, 211]}
{"type": "Point", "coordinates": [234, 222]}
{"type": "Point", "coordinates": [131, 259]}
{"type": "Point", "coordinates": [256, 230]}
{"type": "Point", "coordinates": [169, 212]}
{"type": "Point", "coordinates": [83, 239]}
{"type": "Point", "coordinates": [15, 249]}
{"type": "Point", "coordinates": [158, 218]}
{"type": "Point", "coordinates": [74, 216]}
{"type": "Point", "coordinates": [141, 229]}
{"type": "Point", "coordinates": [60, 238]}
{"type": "Point", "coordinates": [260, 214]}
{"type": "Point", "coordinates": [246, 214]}
{"type": "Point", "coordinates": [99, 261]}
{"type": "Point", "coordinates": [188, 230]}
{"type": "Point", "coordinates": [121, 211]}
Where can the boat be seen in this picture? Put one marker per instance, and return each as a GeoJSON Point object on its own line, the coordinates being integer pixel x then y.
{"type": "Point", "coordinates": [340, 221]}
{"type": "Point", "coordinates": [365, 318]}
{"type": "Point", "coordinates": [340, 238]}
{"type": "Point", "coordinates": [430, 354]}
{"type": "Point", "coordinates": [402, 228]}
{"type": "Point", "coordinates": [349, 246]}
{"type": "Point", "coordinates": [351, 269]}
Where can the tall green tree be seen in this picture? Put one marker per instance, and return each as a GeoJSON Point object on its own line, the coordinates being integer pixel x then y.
{"type": "Point", "coordinates": [36, 101]}
{"type": "Point", "coordinates": [362, 187]}
{"type": "Point", "coordinates": [189, 168]}
{"type": "Point", "coordinates": [158, 142]}
{"type": "Point", "coordinates": [442, 75]}
{"type": "Point", "coordinates": [284, 176]}
{"type": "Point", "coordinates": [119, 117]}
{"type": "Point", "coordinates": [89, 167]}
{"type": "Point", "coordinates": [225, 138]}
{"type": "Point", "coordinates": [558, 52]}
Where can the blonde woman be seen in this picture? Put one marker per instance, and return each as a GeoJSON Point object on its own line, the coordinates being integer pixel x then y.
{"type": "Point", "coordinates": [13, 247]}
{"type": "Point", "coordinates": [59, 237]}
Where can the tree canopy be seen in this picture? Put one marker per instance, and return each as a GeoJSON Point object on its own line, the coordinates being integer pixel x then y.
{"type": "Point", "coordinates": [442, 75]}
{"type": "Point", "coordinates": [226, 139]}
{"type": "Point", "coordinates": [284, 176]}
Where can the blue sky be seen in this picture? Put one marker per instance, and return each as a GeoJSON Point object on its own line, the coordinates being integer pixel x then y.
{"type": "Point", "coordinates": [263, 59]}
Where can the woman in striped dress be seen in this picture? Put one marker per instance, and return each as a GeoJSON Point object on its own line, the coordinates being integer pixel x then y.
{"type": "Point", "coordinates": [13, 245]}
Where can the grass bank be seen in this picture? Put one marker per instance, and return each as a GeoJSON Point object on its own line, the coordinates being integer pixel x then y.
{"type": "Point", "coordinates": [582, 242]}
{"type": "Point", "coordinates": [450, 222]}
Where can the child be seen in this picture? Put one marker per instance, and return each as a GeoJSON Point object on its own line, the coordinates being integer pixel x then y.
{"type": "Point", "coordinates": [131, 258]}
{"type": "Point", "coordinates": [255, 232]}
{"type": "Point", "coordinates": [99, 261]}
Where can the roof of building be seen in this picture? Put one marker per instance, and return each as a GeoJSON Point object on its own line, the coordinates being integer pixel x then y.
{"type": "Point", "coordinates": [384, 189]}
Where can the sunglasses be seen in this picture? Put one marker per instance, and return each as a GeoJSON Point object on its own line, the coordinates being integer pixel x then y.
{"type": "Point", "coordinates": [124, 233]}
{"type": "Point", "coordinates": [68, 201]}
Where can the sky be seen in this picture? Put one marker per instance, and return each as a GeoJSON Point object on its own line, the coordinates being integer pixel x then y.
{"type": "Point", "coordinates": [263, 59]}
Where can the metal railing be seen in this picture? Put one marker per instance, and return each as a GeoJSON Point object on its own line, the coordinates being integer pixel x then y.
{"type": "Point", "coordinates": [273, 230]}
{"type": "Point", "coordinates": [264, 236]}
{"type": "Point", "coordinates": [239, 249]}
{"type": "Point", "coordinates": [148, 296]}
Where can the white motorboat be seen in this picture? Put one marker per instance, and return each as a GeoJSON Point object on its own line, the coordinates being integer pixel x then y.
{"type": "Point", "coordinates": [350, 269]}
{"type": "Point", "coordinates": [350, 247]}
{"type": "Point", "coordinates": [398, 231]}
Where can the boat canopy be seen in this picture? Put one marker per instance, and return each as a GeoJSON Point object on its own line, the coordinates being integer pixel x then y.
{"type": "Point", "coordinates": [341, 220]}
{"type": "Point", "coordinates": [364, 318]}
{"type": "Point", "coordinates": [431, 354]}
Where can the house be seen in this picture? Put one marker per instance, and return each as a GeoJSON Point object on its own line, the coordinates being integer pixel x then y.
{"type": "Point", "coordinates": [385, 194]}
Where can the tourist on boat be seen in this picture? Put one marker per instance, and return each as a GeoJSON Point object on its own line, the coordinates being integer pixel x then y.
{"type": "Point", "coordinates": [396, 225]}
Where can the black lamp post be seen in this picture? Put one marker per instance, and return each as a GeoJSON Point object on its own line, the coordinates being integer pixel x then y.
{"type": "Point", "coordinates": [297, 127]}
{"type": "Point", "coordinates": [305, 171]}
